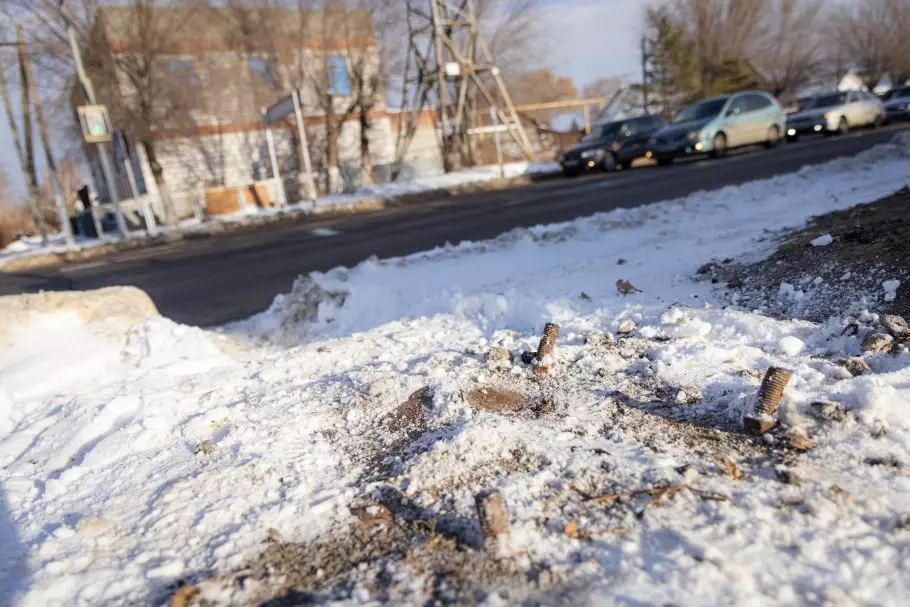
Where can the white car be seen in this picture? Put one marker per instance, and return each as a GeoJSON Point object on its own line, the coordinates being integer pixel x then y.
{"type": "Point", "coordinates": [836, 113]}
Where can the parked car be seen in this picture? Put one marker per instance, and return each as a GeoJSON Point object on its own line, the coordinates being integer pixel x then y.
{"type": "Point", "coordinates": [897, 104]}
{"type": "Point", "coordinates": [713, 126]}
{"type": "Point", "coordinates": [835, 113]}
{"type": "Point", "coordinates": [610, 145]}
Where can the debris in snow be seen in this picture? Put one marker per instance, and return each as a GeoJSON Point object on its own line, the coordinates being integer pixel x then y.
{"type": "Point", "coordinates": [206, 447]}
{"type": "Point", "coordinates": [798, 440]}
{"type": "Point", "coordinates": [829, 411]}
{"type": "Point", "coordinates": [626, 327]}
{"type": "Point", "coordinates": [373, 514]}
{"type": "Point", "coordinates": [787, 476]}
{"type": "Point", "coordinates": [546, 348]}
{"type": "Point", "coordinates": [856, 366]}
{"type": "Point", "coordinates": [494, 523]}
{"type": "Point", "coordinates": [846, 275]}
{"type": "Point", "coordinates": [688, 396]}
{"type": "Point", "coordinates": [767, 400]}
{"type": "Point", "coordinates": [585, 297]}
{"type": "Point", "coordinates": [184, 596]}
{"type": "Point", "coordinates": [496, 399]}
{"type": "Point", "coordinates": [822, 241]}
{"type": "Point", "coordinates": [626, 288]}
{"type": "Point", "coordinates": [791, 346]}
{"type": "Point", "coordinates": [620, 262]}
{"type": "Point", "coordinates": [410, 416]}
{"type": "Point", "coordinates": [877, 342]}
{"type": "Point", "coordinates": [730, 468]}
{"type": "Point", "coordinates": [896, 326]}
{"type": "Point", "coordinates": [596, 338]}
{"type": "Point", "coordinates": [498, 355]}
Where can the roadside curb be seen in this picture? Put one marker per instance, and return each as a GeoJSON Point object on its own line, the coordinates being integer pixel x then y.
{"type": "Point", "coordinates": [255, 222]}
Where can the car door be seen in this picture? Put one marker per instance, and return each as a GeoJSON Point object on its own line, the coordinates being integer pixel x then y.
{"type": "Point", "coordinates": [854, 109]}
{"type": "Point", "coordinates": [736, 122]}
{"type": "Point", "coordinates": [760, 117]}
{"type": "Point", "coordinates": [634, 140]}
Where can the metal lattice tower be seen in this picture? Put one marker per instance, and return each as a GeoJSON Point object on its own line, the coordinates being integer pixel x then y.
{"type": "Point", "coordinates": [449, 63]}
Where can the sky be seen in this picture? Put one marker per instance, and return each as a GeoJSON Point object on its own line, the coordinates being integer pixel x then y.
{"type": "Point", "coordinates": [589, 40]}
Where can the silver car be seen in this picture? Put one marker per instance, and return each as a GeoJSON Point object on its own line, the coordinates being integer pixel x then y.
{"type": "Point", "coordinates": [836, 113]}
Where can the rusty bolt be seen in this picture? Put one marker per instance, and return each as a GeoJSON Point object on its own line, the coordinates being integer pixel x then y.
{"type": "Point", "coordinates": [771, 390]}
{"type": "Point", "coordinates": [546, 347]}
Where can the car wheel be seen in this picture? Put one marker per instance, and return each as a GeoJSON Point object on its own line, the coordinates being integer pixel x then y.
{"type": "Point", "coordinates": [720, 146]}
{"type": "Point", "coordinates": [627, 165]}
{"type": "Point", "coordinates": [664, 162]}
{"type": "Point", "coordinates": [879, 121]}
{"type": "Point", "coordinates": [773, 138]}
{"type": "Point", "coordinates": [843, 127]}
{"type": "Point", "coordinates": [792, 138]}
{"type": "Point", "coordinates": [609, 163]}
{"type": "Point", "coordinates": [570, 173]}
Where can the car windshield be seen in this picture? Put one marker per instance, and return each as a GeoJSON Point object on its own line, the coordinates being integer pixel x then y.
{"type": "Point", "coordinates": [603, 131]}
{"type": "Point", "coordinates": [897, 93]}
{"type": "Point", "coordinates": [829, 100]}
{"type": "Point", "coordinates": [701, 110]}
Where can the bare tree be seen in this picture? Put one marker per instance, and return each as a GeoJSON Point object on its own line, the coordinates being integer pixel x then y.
{"type": "Point", "coordinates": [875, 34]}
{"type": "Point", "coordinates": [792, 48]}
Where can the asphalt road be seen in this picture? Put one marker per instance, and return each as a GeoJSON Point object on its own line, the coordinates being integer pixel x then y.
{"type": "Point", "coordinates": [215, 280]}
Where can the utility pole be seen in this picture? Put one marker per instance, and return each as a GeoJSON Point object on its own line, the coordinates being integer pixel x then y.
{"type": "Point", "coordinates": [56, 187]}
{"type": "Point", "coordinates": [447, 53]}
{"type": "Point", "coordinates": [90, 97]}
{"type": "Point", "coordinates": [645, 58]}
{"type": "Point", "coordinates": [28, 152]}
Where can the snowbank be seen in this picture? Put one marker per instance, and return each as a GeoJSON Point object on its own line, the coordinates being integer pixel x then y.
{"type": "Point", "coordinates": [167, 460]}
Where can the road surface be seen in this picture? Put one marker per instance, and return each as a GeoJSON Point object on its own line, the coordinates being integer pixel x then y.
{"type": "Point", "coordinates": [223, 278]}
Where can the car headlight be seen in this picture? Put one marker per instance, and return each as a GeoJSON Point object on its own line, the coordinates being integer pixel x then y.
{"type": "Point", "coordinates": [694, 135]}
{"type": "Point", "coordinates": [591, 153]}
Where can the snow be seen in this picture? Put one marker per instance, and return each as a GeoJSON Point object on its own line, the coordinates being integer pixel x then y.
{"type": "Point", "coordinates": [890, 287]}
{"type": "Point", "coordinates": [822, 241]}
{"type": "Point", "coordinates": [133, 457]}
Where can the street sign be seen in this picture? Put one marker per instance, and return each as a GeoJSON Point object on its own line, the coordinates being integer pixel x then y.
{"type": "Point", "coordinates": [278, 110]}
{"type": "Point", "coordinates": [96, 123]}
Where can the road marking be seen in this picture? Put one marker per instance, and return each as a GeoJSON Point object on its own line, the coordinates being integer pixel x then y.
{"type": "Point", "coordinates": [324, 232]}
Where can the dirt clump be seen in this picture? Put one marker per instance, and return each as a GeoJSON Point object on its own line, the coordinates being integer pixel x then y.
{"type": "Point", "coordinates": [870, 247]}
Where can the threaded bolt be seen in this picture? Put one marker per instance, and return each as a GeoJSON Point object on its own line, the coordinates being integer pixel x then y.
{"type": "Point", "coordinates": [546, 347]}
{"type": "Point", "coordinates": [494, 523]}
{"type": "Point", "coordinates": [771, 391]}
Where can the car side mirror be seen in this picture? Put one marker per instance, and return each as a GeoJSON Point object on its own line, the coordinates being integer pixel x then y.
{"type": "Point", "coordinates": [731, 112]}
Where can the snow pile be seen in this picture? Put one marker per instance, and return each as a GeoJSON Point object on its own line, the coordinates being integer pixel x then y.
{"type": "Point", "coordinates": [822, 241]}
{"type": "Point", "coordinates": [344, 454]}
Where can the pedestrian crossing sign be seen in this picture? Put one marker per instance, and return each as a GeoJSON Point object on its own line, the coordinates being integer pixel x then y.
{"type": "Point", "coordinates": [96, 123]}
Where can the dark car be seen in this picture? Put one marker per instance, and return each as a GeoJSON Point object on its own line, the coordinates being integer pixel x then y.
{"type": "Point", "coordinates": [610, 145]}
{"type": "Point", "coordinates": [897, 104]}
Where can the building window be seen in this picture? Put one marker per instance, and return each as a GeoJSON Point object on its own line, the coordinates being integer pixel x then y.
{"type": "Point", "coordinates": [337, 74]}
{"type": "Point", "coordinates": [265, 68]}
{"type": "Point", "coordinates": [183, 69]}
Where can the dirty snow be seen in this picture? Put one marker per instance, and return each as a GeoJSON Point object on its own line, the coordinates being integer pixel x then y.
{"type": "Point", "coordinates": [132, 460]}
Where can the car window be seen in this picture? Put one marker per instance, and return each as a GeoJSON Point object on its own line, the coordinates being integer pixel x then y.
{"type": "Point", "coordinates": [897, 93]}
{"type": "Point", "coordinates": [701, 110]}
{"type": "Point", "coordinates": [738, 106]}
{"type": "Point", "coordinates": [603, 131]}
{"type": "Point", "coordinates": [755, 103]}
{"type": "Point", "coordinates": [830, 100]}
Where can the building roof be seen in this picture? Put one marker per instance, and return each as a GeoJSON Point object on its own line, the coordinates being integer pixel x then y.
{"type": "Point", "coordinates": [189, 28]}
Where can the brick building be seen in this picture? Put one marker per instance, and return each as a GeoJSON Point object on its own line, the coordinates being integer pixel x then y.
{"type": "Point", "coordinates": [192, 83]}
